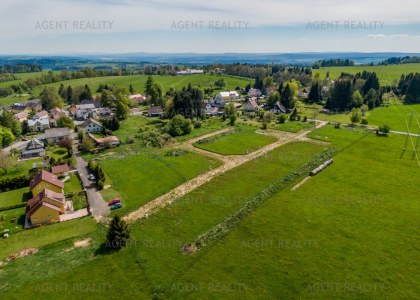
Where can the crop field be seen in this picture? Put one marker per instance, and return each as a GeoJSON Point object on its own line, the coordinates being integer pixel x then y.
{"type": "Point", "coordinates": [242, 140]}
{"type": "Point", "coordinates": [388, 75]}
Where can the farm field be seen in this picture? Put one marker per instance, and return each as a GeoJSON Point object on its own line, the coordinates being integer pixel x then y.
{"type": "Point", "coordinates": [388, 75]}
{"type": "Point", "coordinates": [139, 178]}
{"type": "Point", "coordinates": [242, 140]}
{"type": "Point", "coordinates": [159, 238]}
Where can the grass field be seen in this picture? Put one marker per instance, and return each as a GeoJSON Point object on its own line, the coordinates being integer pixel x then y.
{"type": "Point", "coordinates": [394, 115]}
{"type": "Point", "coordinates": [347, 233]}
{"type": "Point", "coordinates": [15, 197]}
{"type": "Point", "coordinates": [44, 235]}
{"type": "Point", "coordinates": [152, 264]}
{"type": "Point", "coordinates": [388, 75]}
{"type": "Point", "coordinates": [13, 220]}
{"type": "Point", "coordinates": [294, 126]}
{"type": "Point", "coordinates": [140, 178]}
{"type": "Point", "coordinates": [73, 184]}
{"type": "Point", "coordinates": [242, 141]}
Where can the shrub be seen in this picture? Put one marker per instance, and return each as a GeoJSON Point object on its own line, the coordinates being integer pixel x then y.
{"type": "Point", "coordinates": [282, 118]}
{"type": "Point", "coordinates": [264, 126]}
{"type": "Point", "coordinates": [364, 121]}
{"type": "Point", "coordinates": [176, 152]}
{"type": "Point", "coordinates": [337, 125]}
{"type": "Point", "coordinates": [383, 130]}
{"type": "Point", "coordinates": [197, 124]}
{"type": "Point", "coordinates": [178, 125]}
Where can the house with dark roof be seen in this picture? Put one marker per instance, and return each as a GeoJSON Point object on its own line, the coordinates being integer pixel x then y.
{"type": "Point", "coordinates": [34, 105]}
{"type": "Point", "coordinates": [254, 92]}
{"type": "Point", "coordinates": [55, 135]}
{"type": "Point", "coordinates": [278, 108]}
{"type": "Point", "coordinates": [251, 105]}
{"type": "Point", "coordinates": [155, 111]}
{"type": "Point", "coordinates": [34, 148]}
{"type": "Point", "coordinates": [19, 107]}
{"type": "Point", "coordinates": [91, 125]}
{"type": "Point", "coordinates": [45, 180]}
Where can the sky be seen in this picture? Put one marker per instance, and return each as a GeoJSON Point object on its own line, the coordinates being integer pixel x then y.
{"type": "Point", "coordinates": [216, 26]}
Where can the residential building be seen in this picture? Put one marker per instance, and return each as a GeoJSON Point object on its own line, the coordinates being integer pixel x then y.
{"type": "Point", "coordinates": [55, 115]}
{"type": "Point", "coordinates": [254, 92]}
{"type": "Point", "coordinates": [226, 96]}
{"type": "Point", "coordinates": [155, 111]}
{"type": "Point", "coordinates": [21, 116]}
{"type": "Point", "coordinates": [19, 107]}
{"type": "Point", "coordinates": [34, 148]}
{"type": "Point", "coordinates": [43, 114]}
{"type": "Point", "coordinates": [103, 113]}
{"type": "Point", "coordinates": [108, 140]}
{"type": "Point", "coordinates": [34, 105]}
{"type": "Point", "coordinates": [45, 207]}
{"type": "Point", "coordinates": [137, 98]}
{"type": "Point", "coordinates": [278, 108]}
{"type": "Point", "coordinates": [84, 111]}
{"type": "Point", "coordinates": [251, 105]}
{"type": "Point", "coordinates": [45, 180]}
{"type": "Point", "coordinates": [39, 125]}
{"type": "Point", "coordinates": [190, 72]}
{"type": "Point", "coordinates": [60, 170]}
{"type": "Point", "coordinates": [91, 125]}
{"type": "Point", "coordinates": [55, 135]}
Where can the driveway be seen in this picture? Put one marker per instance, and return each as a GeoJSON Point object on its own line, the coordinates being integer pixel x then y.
{"type": "Point", "coordinates": [98, 207]}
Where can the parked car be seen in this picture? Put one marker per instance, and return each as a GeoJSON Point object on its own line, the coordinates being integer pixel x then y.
{"type": "Point", "coordinates": [116, 205]}
{"type": "Point", "coordinates": [91, 177]}
{"type": "Point", "coordinates": [114, 201]}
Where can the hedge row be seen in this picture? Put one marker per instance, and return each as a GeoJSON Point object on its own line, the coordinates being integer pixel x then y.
{"type": "Point", "coordinates": [19, 205]}
{"type": "Point", "coordinates": [220, 230]}
{"type": "Point", "coordinates": [15, 183]}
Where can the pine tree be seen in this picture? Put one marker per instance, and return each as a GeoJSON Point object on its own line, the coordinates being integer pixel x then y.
{"type": "Point", "coordinates": [131, 89]}
{"type": "Point", "coordinates": [118, 233]}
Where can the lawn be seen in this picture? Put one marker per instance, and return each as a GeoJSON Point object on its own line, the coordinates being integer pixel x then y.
{"type": "Point", "coordinates": [14, 197]}
{"type": "Point", "coordinates": [242, 140]}
{"type": "Point", "coordinates": [152, 265]}
{"type": "Point", "coordinates": [74, 187]}
{"type": "Point", "coordinates": [292, 126]}
{"type": "Point", "coordinates": [19, 169]}
{"type": "Point", "coordinates": [130, 127]}
{"type": "Point", "coordinates": [44, 235]}
{"type": "Point", "coordinates": [207, 126]}
{"type": "Point", "coordinates": [137, 179]}
{"type": "Point", "coordinates": [13, 220]}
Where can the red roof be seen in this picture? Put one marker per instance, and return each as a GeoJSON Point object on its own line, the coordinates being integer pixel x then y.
{"type": "Point", "coordinates": [46, 176]}
{"type": "Point", "coordinates": [60, 169]}
{"type": "Point", "coordinates": [46, 193]}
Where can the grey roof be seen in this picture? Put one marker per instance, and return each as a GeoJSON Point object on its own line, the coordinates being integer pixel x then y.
{"type": "Point", "coordinates": [90, 121]}
{"type": "Point", "coordinates": [56, 132]}
{"type": "Point", "coordinates": [155, 110]}
{"type": "Point", "coordinates": [34, 144]}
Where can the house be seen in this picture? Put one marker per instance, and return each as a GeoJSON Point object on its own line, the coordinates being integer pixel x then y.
{"type": "Point", "coordinates": [43, 114]}
{"type": "Point", "coordinates": [95, 103]}
{"type": "Point", "coordinates": [217, 102]}
{"type": "Point", "coordinates": [34, 148]}
{"type": "Point", "coordinates": [34, 105]}
{"type": "Point", "coordinates": [55, 135]}
{"type": "Point", "coordinates": [254, 92]}
{"type": "Point", "coordinates": [60, 170]}
{"type": "Point", "coordinates": [270, 90]}
{"type": "Point", "coordinates": [137, 98]}
{"type": "Point", "coordinates": [39, 125]}
{"type": "Point", "coordinates": [45, 180]}
{"type": "Point", "coordinates": [103, 113]}
{"type": "Point", "coordinates": [21, 116]}
{"type": "Point", "coordinates": [91, 125]}
{"type": "Point", "coordinates": [251, 105]}
{"type": "Point", "coordinates": [84, 111]}
{"type": "Point", "coordinates": [55, 115]}
{"type": "Point", "coordinates": [155, 111]}
{"type": "Point", "coordinates": [19, 107]}
{"type": "Point", "coordinates": [226, 96]}
{"type": "Point", "coordinates": [110, 140]}
{"type": "Point", "coordinates": [45, 207]}
{"type": "Point", "coordinates": [278, 108]}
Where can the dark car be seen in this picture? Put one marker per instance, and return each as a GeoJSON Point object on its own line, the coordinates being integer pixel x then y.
{"type": "Point", "coordinates": [116, 205]}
